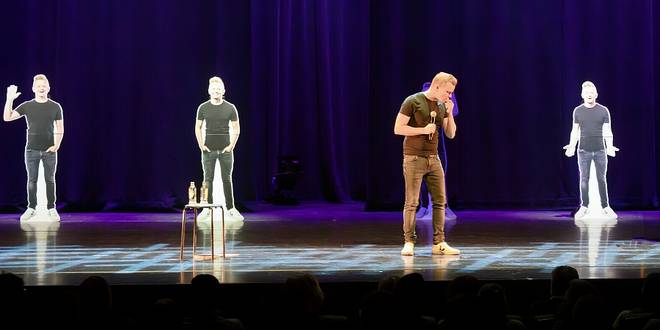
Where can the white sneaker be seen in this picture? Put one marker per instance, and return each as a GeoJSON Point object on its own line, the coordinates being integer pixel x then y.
{"type": "Point", "coordinates": [610, 213]}
{"type": "Point", "coordinates": [449, 214]}
{"type": "Point", "coordinates": [408, 249]}
{"type": "Point", "coordinates": [52, 213]}
{"type": "Point", "coordinates": [204, 215]}
{"type": "Point", "coordinates": [581, 213]}
{"type": "Point", "coordinates": [234, 214]}
{"type": "Point", "coordinates": [444, 248]}
{"type": "Point", "coordinates": [29, 213]}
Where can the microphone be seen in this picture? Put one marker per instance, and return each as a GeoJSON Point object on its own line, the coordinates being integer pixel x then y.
{"type": "Point", "coordinates": [433, 114]}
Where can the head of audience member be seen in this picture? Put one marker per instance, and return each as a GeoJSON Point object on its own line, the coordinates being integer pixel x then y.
{"type": "Point", "coordinates": [561, 278]}
{"type": "Point", "coordinates": [165, 314]}
{"type": "Point", "coordinates": [465, 285]}
{"type": "Point", "coordinates": [204, 290]}
{"type": "Point", "coordinates": [11, 294]}
{"type": "Point", "coordinates": [463, 309]}
{"type": "Point", "coordinates": [410, 291]}
{"type": "Point", "coordinates": [388, 283]}
{"type": "Point", "coordinates": [380, 310]}
{"type": "Point", "coordinates": [576, 290]}
{"type": "Point", "coordinates": [579, 288]}
{"type": "Point", "coordinates": [590, 312]}
{"type": "Point", "coordinates": [651, 292]}
{"type": "Point", "coordinates": [95, 294]}
{"type": "Point", "coordinates": [494, 302]}
{"type": "Point", "coordinates": [11, 286]}
{"type": "Point", "coordinates": [304, 294]}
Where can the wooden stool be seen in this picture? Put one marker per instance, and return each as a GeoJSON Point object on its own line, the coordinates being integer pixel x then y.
{"type": "Point", "coordinates": [195, 208]}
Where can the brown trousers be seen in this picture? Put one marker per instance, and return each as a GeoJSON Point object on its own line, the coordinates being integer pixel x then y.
{"type": "Point", "coordinates": [416, 169]}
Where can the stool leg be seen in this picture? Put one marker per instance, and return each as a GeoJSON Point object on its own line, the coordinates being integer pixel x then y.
{"type": "Point", "coordinates": [194, 233]}
{"type": "Point", "coordinates": [183, 232]}
{"type": "Point", "coordinates": [224, 255]}
{"type": "Point", "coordinates": [212, 237]}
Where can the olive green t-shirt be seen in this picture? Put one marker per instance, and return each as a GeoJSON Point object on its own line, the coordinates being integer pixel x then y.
{"type": "Point", "coordinates": [419, 109]}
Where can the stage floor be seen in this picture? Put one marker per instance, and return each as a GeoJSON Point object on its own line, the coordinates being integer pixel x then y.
{"type": "Point", "coordinates": [335, 242]}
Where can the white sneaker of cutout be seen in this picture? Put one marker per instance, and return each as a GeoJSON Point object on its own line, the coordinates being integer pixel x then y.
{"type": "Point", "coordinates": [581, 212]}
{"type": "Point", "coordinates": [408, 249]}
{"type": "Point", "coordinates": [234, 214]}
{"type": "Point", "coordinates": [444, 248]}
{"type": "Point", "coordinates": [29, 213]}
{"type": "Point", "coordinates": [204, 215]}
{"type": "Point", "coordinates": [53, 215]}
{"type": "Point", "coordinates": [610, 213]}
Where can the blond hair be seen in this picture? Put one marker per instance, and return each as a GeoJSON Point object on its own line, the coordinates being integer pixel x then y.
{"type": "Point", "coordinates": [40, 77]}
{"type": "Point", "coordinates": [444, 77]}
{"type": "Point", "coordinates": [589, 85]}
{"type": "Point", "coordinates": [216, 80]}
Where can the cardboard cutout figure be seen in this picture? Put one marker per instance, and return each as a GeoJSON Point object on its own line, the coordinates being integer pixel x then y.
{"type": "Point", "coordinates": [592, 136]}
{"type": "Point", "coordinates": [45, 131]}
{"type": "Point", "coordinates": [217, 129]}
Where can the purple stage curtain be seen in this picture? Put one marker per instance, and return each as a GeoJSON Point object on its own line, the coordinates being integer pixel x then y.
{"type": "Point", "coordinates": [323, 80]}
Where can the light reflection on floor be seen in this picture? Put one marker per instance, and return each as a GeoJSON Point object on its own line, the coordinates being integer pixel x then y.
{"type": "Point", "coordinates": [494, 245]}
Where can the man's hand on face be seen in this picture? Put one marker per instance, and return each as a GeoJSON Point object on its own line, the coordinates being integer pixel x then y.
{"type": "Point", "coordinates": [450, 106]}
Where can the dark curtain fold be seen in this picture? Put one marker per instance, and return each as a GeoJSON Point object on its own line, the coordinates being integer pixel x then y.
{"type": "Point", "coordinates": [310, 71]}
{"type": "Point", "coordinates": [323, 80]}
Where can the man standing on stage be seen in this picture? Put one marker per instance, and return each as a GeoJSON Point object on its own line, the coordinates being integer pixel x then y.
{"type": "Point", "coordinates": [45, 130]}
{"type": "Point", "coordinates": [415, 121]}
{"type": "Point", "coordinates": [593, 130]}
{"type": "Point", "coordinates": [222, 131]}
